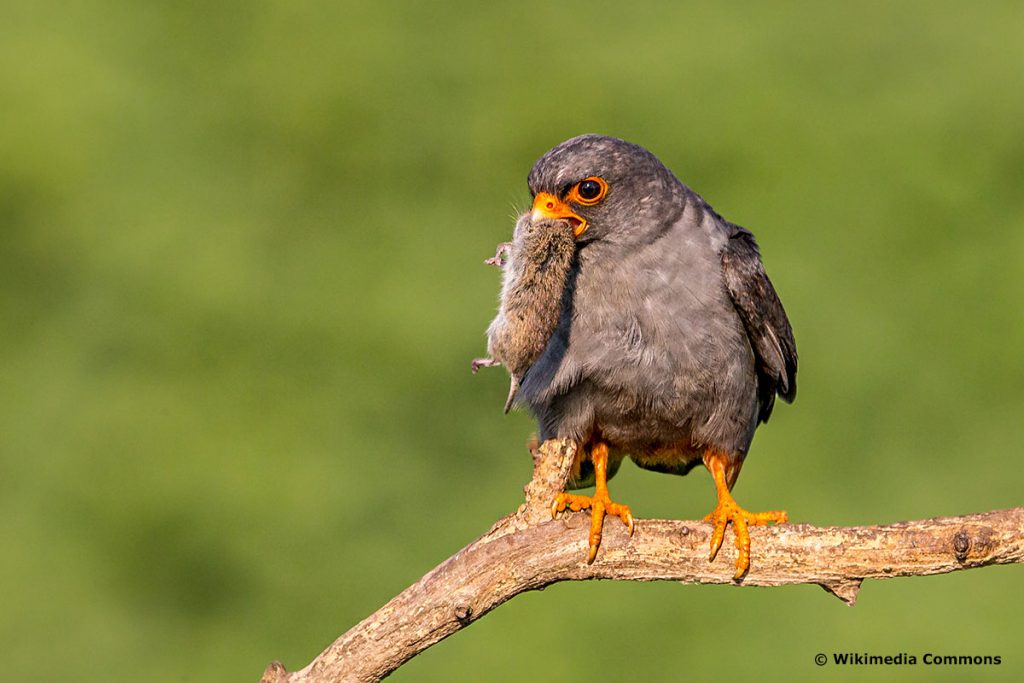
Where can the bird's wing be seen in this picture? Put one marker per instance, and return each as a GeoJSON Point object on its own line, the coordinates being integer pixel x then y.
{"type": "Point", "coordinates": [771, 336]}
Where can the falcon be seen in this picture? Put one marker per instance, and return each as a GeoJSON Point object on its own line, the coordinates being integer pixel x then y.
{"type": "Point", "coordinates": [671, 343]}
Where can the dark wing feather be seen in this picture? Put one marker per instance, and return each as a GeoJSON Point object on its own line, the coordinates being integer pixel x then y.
{"type": "Point", "coordinates": [771, 336]}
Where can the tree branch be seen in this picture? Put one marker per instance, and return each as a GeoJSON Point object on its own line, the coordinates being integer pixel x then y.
{"type": "Point", "coordinates": [527, 551]}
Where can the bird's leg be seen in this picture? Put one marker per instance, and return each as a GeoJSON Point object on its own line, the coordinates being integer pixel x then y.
{"type": "Point", "coordinates": [600, 503]}
{"type": "Point", "coordinates": [727, 511]}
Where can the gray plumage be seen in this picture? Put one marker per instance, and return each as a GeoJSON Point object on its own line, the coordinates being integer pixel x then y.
{"type": "Point", "coordinates": [534, 282]}
{"type": "Point", "coordinates": [670, 338]}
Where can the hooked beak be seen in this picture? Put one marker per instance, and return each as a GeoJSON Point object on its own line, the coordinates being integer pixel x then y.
{"type": "Point", "coordinates": [547, 206]}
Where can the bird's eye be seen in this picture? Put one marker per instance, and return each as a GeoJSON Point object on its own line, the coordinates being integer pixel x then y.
{"type": "Point", "coordinates": [589, 191]}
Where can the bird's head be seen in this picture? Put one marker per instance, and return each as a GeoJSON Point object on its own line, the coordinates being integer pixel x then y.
{"type": "Point", "coordinates": [607, 188]}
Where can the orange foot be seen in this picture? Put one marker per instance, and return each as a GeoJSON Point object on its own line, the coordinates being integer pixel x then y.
{"type": "Point", "coordinates": [728, 510]}
{"type": "Point", "coordinates": [600, 503]}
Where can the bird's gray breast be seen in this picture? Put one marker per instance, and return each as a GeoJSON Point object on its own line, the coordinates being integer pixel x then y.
{"type": "Point", "coordinates": [649, 351]}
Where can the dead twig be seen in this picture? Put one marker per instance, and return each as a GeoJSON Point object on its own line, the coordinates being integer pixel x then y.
{"type": "Point", "coordinates": [528, 550]}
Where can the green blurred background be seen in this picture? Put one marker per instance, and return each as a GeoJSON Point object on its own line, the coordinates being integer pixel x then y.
{"type": "Point", "coordinates": [241, 280]}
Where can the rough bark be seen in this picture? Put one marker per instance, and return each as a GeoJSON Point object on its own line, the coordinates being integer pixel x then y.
{"type": "Point", "coordinates": [527, 550]}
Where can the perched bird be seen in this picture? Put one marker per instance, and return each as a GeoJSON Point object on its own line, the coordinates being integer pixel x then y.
{"type": "Point", "coordinates": [671, 344]}
{"type": "Point", "coordinates": [534, 284]}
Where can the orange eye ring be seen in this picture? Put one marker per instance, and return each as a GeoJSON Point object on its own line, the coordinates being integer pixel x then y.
{"type": "Point", "coordinates": [588, 191]}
